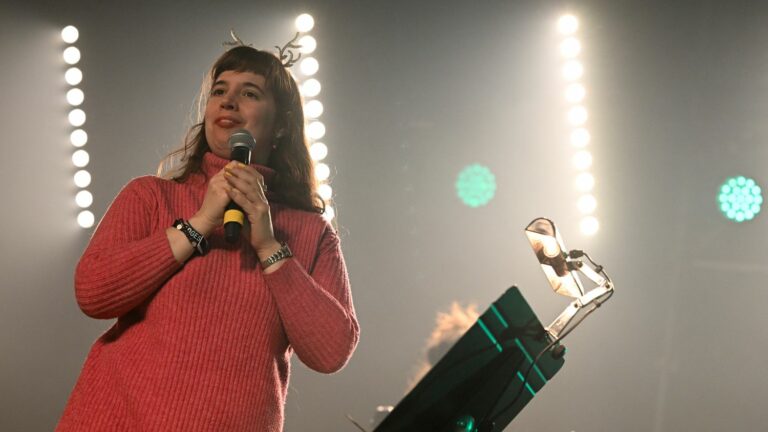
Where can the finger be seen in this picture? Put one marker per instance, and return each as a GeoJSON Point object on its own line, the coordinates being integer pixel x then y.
{"type": "Point", "coordinates": [253, 190]}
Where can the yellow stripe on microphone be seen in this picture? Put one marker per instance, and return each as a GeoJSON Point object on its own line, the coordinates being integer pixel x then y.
{"type": "Point", "coordinates": [234, 216]}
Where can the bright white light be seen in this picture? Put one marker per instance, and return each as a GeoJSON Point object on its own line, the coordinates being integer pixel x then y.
{"type": "Point", "coordinates": [75, 96]}
{"type": "Point", "coordinates": [589, 225]}
{"type": "Point", "coordinates": [313, 109]}
{"type": "Point", "coordinates": [316, 130]}
{"type": "Point", "coordinates": [73, 76]}
{"type": "Point", "coordinates": [322, 171]}
{"type": "Point", "coordinates": [309, 66]}
{"type": "Point", "coordinates": [573, 70]}
{"type": "Point", "coordinates": [329, 213]}
{"type": "Point", "coordinates": [585, 182]}
{"type": "Point", "coordinates": [575, 93]}
{"type": "Point", "coordinates": [69, 34]}
{"type": "Point", "coordinates": [325, 191]}
{"type": "Point", "coordinates": [550, 247]}
{"type": "Point", "coordinates": [78, 137]}
{"type": "Point", "coordinates": [77, 117]}
{"type": "Point", "coordinates": [304, 22]}
{"type": "Point", "coordinates": [71, 55]}
{"type": "Point", "coordinates": [582, 160]}
{"type": "Point", "coordinates": [577, 116]}
{"type": "Point", "coordinates": [310, 88]}
{"type": "Point", "coordinates": [308, 44]}
{"type": "Point", "coordinates": [82, 178]}
{"type": "Point", "coordinates": [84, 199]}
{"type": "Point", "coordinates": [85, 219]}
{"type": "Point", "coordinates": [567, 24]}
{"type": "Point", "coordinates": [570, 47]}
{"type": "Point", "coordinates": [580, 138]}
{"type": "Point", "coordinates": [80, 158]}
{"type": "Point", "coordinates": [587, 204]}
{"type": "Point", "coordinates": [318, 151]}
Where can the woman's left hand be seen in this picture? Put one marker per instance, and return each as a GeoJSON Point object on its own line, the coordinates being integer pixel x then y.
{"type": "Point", "coordinates": [248, 191]}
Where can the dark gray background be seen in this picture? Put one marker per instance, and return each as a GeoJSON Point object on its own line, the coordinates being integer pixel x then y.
{"type": "Point", "coordinates": [413, 92]}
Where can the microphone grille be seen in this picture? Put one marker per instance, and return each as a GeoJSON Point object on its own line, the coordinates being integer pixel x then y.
{"type": "Point", "coordinates": [242, 138]}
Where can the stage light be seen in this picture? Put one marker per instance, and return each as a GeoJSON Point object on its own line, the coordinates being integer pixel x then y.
{"type": "Point", "coordinates": [78, 137]}
{"type": "Point", "coordinates": [311, 88]}
{"type": "Point", "coordinates": [325, 191]}
{"type": "Point", "coordinates": [75, 96]}
{"type": "Point", "coordinates": [740, 199]}
{"type": "Point", "coordinates": [84, 199]}
{"type": "Point", "coordinates": [476, 185]}
{"type": "Point", "coordinates": [308, 44]}
{"type": "Point", "coordinates": [329, 213]}
{"type": "Point", "coordinates": [82, 178]}
{"type": "Point", "coordinates": [309, 66]}
{"type": "Point", "coordinates": [73, 76]}
{"type": "Point", "coordinates": [589, 225]}
{"type": "Point", "coordinates": [567, 24]}
{"type": "Point", "coordinates": [580, 137]}
{"type": "Point", "coordinates": [80, 158]}
{"type": "Point", "coordinates": [570, 47]}
{"type": "Point", "coordinates": [318, 151]}
{"type": "Point", "coordinates": [77, 117]}
{"type": "Point", "coordinates": [573, 70]}
{"type": "Point", "coordinates": [85, 219]}
{"type": "Point", "coordinates": [575, 93]}
{"type": "Point", "coordinates": [304, 22]}
{"type": "Point", "coordinates": [587, 204]}
{"type": "Point", "coordinates": [577, 116]}
{"type": "Point", "coordinates": [582, 160]}
{"type": "Point", "coordinates": [71, 55]}
{"type": "Point", "coordinates": [585, 182]}
{"type": "Point", "coordinates": [69, 34]}
{"type": "Point", "coordinates": [313, 109]}
{"type": "Point", "coordinates": [322, 171]}
{"type": "Point", "coordinates": [316, 130]}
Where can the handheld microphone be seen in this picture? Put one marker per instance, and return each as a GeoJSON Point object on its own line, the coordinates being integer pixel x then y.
{"type": "Point", "coordinates": [241, 144]}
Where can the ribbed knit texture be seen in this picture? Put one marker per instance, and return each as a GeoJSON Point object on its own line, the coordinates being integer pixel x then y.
{"type": "Point", "coordinates": [204, 346]}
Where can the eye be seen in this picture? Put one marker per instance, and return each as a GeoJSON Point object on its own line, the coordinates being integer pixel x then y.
{"type": "Point", "coordinates": [251, 94]}
{"type": "Point", "coordinates": [217, 91]}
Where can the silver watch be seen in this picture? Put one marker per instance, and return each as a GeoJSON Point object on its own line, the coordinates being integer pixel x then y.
{"type": "Point", "coordinates": [282, 253]}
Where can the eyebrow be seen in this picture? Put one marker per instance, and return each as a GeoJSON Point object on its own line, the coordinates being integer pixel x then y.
{"type": "Point", "coordinates": [245, 84]}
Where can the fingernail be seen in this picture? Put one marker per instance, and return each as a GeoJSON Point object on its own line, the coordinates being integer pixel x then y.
{"type": "Point", "coordinates": [240, 165]}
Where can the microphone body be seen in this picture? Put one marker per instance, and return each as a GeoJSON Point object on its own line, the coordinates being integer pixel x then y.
{"type": "Point", "coordinates": [241, 144]}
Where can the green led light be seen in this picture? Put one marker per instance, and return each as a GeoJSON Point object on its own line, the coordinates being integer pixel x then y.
{"type": "Point", "coordinates": [740, 199]}
{"type": "Point", "coordinates": [476, 185]}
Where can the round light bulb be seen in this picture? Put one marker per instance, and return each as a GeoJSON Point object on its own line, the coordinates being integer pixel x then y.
{"type": "Point", "coordinates": [85, 219]}
{"type": "Point", "coordinates": [84, 199]}
{"type": "Point", "coordinates": [329, 213]}
{"type": "Point", "coordinates": [589, 225]}
{"type": "Point", "coordinates": [325, 191]}
{"type": "Point", "coordinates": [580, 138]}
{"type": "Point", "coordinates": [322, 171]}
{"type": "Point", "coordinates": [304, 22]}
{"type": "Point", "coordinates": [311, 88]}
{"type": "Point", "coordinates": [550, 247]}
{"type": "Point", "coordinates": [575, 93]}
{"type": "Point", "coordinates": [309, 66]}
{"type": "Point", "coordinates": [567, 24]}
{"type": "Point", "coordinates": [75, 96]}
{"type": "Point", "coordinates": [573, 70]}
{"type": "Point", "coordinates": [585, 182]}
{"type": "Point", "coordinates": [582, 160]}
{"type": "Point", "coordinates": [308, 44]}
{"type": "Point", "coordinates": [587, 204]}
{"type": "Point", "coordinates": [316, 130]}
{"type": "Point", "coordinates": [80, 158]}
{"type": "Point", "coordinates": [73, 76]}
{"type": "Point", "coordinates": [82, 178]}
{"type": "Point", "coordinates": [77, 117]}
{"type": "Point", "coordinates": [71, 55]}
{"type": "Point", "coordinates": [69, 34]}
{"type": "Point", "coordinates": [570, 47]}
{"type": "Point", "coordinates": [78, 137]}
{"type": "Point", "coordinates": [318, 151]}
{"type": "Point", "coordinates": [577, 116]}
{"type": "Point", "coordinates": [313, 109]}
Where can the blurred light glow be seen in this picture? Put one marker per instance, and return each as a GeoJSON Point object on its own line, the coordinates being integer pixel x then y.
{"type": "Point", "coordinates": [476, 185]}
{"type": "Point", "coordinates": [82, 178]}
{"type": "Point", "coordinates": [313, 109]}
{"type": "Point", "coordinates": [304, 22]}
{"type": "Point", "coordinates": [75, 96]}
{"type": "Point", "coordinates": [740, 199]}
{"type": "Point", "coordinates": [85, 219]}
{"type": "Point", "coordinates": [575, 93]}
{"type": "Point", "coordinates": [325, 191]}
{"type": "Point", "coordinates": [582, 160]}
{"type": "Point", "coordinates": [316, 130]}
{"type": "Point", "coordinates": [71, 55]}
{"type": "Point", "coordinates": [567, 24]}
{"type": "Point", "coordinates": [580, 138]}
{"type": "Point", "coordinates": [322, 171]}
{"type": "Point", "coordinates": [73, 76]}
{"type": "Point", "coordinates": [308, 44]}
{"type": "Point", "coordinates": [311, 88]}
{"type": "Point", "coordinates": [309, 66]}
{"type": "Point", "coordinates": [77, 117]}
{"type": "Point", "coordinates": [80, 158]}
{"type": "Point", "coordinates": [84, 199]}
{"type": "Point", "coordinates": [577, 116]}
{"type": "Point", "coordinates": [587, 204]}
{"type": "Point", "coordinates": [78, 137]}
{"type": "Point", "coordinates": [573, 70]}
{"type": "Point", "coordinates": [318, 151]}
{"type": "Point", "coordinates": [69, 34]}
{"type": "Point", "coordinates": [329, 213]}
{"type": "Point", "coordinates": [570, 47]}
{"type": "Point", "coordinates": [589, 225]}
{"type": "Point", "coordinates": [585, 182]}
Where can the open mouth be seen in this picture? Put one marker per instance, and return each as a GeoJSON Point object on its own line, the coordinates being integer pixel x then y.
{"type": "Point", "coordinates": [226, 122]}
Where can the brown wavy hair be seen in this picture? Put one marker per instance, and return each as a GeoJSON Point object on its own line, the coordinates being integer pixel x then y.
{"type": "Point", "coordinates": [294, 182]}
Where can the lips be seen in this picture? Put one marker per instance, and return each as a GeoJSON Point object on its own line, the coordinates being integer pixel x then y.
{"type": "Point", "coordinates": [227, 122]}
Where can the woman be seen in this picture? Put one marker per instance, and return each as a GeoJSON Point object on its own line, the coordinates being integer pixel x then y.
{"type": "Point", "coordinates": [205, 332]}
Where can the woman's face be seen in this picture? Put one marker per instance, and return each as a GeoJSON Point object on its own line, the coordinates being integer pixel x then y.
{"type": "Point", "coordinates": [240, 100]}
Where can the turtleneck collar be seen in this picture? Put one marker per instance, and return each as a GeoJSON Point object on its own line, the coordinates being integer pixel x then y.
{"type": "Point", "coordinates": [212, 164]}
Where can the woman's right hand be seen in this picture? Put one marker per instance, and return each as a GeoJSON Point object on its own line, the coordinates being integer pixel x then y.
{"type": "Point", "coordinates": [211, 212]}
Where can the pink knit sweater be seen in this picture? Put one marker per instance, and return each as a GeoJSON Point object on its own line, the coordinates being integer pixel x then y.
{"type": "Point", "coordinates": [203, 346]}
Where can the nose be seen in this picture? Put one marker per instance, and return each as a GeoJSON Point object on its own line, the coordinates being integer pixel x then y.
{"type": "Point", "coordinates": [228, 101]}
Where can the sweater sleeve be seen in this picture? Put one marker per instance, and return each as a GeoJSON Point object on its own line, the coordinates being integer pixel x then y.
{"type": "Point", "coordinates": [316, 309]}
{"type": "Point", "coordinates": [126, 260]}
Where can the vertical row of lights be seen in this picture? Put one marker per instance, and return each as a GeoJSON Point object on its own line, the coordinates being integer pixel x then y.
{"type": "Point", "coordinates": [577, 116]}
{"type": "Point", "coordinates": [78, 137]}
{"type": "Point", "coordinates": [313, 109]}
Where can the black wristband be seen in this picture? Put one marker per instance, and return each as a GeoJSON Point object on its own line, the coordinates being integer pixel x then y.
{"type": "Point", "coordinates": [197, 240]}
